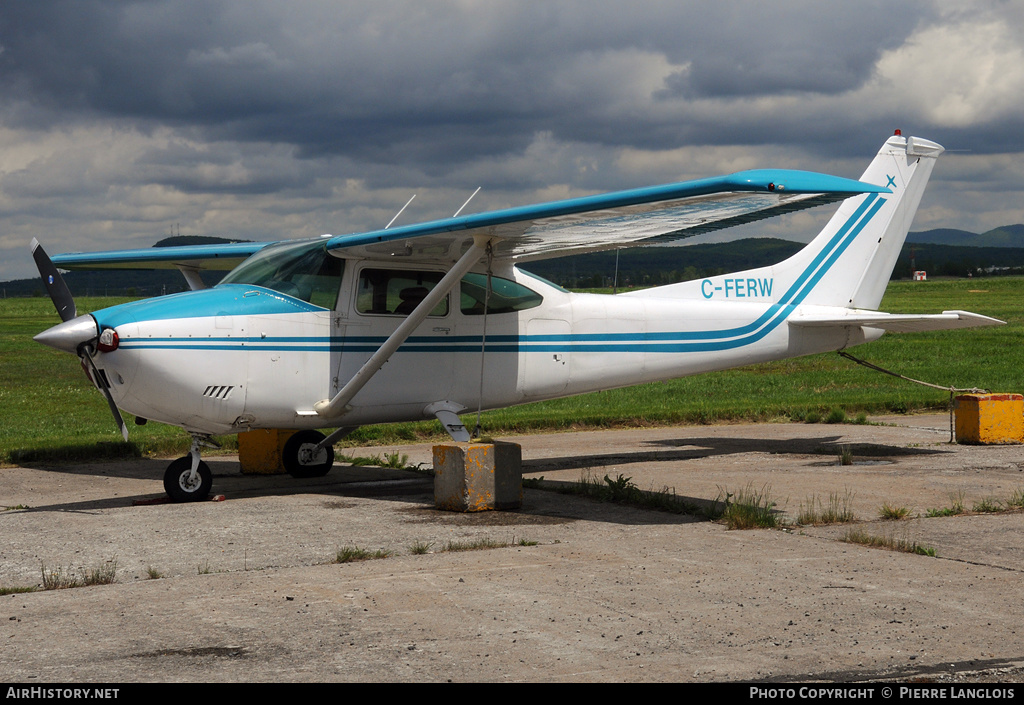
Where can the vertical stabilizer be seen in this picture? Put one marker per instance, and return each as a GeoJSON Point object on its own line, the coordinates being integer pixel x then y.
{"type": "Point", "coordinates": [850, 261]}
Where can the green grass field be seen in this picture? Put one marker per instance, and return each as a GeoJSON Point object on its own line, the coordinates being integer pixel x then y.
{"type": "Point", "coordinates": [51, 412]}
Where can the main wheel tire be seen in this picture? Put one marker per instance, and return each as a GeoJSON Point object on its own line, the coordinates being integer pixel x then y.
{"type": "Point", "coordinates": [298, 457]}
{"type": "Point", "coordinates": [180, 489]}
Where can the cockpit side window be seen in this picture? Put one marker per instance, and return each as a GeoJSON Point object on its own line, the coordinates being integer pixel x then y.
{"type": "Point", "coordinates": [304, 270]}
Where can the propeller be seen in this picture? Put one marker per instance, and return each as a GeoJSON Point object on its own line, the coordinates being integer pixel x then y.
{"type": "Point", "coordinates": [75, 334]}
{"type": "Point", "coordinates": [54, 282]}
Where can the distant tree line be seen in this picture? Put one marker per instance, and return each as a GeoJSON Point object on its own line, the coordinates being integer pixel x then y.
{"type": "Point", "coordinates": [637, 267]}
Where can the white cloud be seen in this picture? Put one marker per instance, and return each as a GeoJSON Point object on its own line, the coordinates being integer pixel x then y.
{"type": "Point", "coordinates": [957, 75]}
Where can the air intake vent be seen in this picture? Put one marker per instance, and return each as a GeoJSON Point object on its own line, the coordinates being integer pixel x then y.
{"type": "Point", "coordinates": [104, 383]}
{"type": "Point", "coordinates": [221, 392]}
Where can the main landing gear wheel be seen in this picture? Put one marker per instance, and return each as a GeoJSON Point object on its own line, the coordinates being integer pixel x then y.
{"type": "Point", "coordinates": [301, 458]}
{"type": "Point", "coordinates": [180, 488]}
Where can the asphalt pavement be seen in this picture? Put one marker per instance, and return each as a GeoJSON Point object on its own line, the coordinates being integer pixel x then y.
{"type": "Point", "coordinates": [565, 589]}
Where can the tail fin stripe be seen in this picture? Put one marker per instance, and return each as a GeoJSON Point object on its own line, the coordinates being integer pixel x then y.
{"type": "Point", "coordinates": [835, 247]}
{"type": "Point", "coordinates": [837, 253]}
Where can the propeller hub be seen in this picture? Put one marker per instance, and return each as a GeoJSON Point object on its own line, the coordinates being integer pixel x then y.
{"type": "Point", "coordinates": [70, 335]}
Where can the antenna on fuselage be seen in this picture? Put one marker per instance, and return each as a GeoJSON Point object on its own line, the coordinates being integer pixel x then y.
{"type": "Point", "coordinates": [399, 212]}
{"type": "Point", "coordinates": [467, 201]}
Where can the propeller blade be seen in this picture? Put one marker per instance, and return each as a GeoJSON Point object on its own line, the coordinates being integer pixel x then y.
{"type": "Point", "coordinates": [100, 382]}
{"type": "Point", "coordinates": [74, 336]}
{"type": "Point", "coordinates": [54, 282]}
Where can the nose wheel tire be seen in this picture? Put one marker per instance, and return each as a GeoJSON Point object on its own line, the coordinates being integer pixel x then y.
{"type": "Point", "coordinates": [178, 486]}
{"type": "Point", "coordinates": [301, 459]}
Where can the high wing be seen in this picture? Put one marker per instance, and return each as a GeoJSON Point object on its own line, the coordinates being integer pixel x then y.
{"type": "Point", "coordinates": [592, 223]}
{"type": "Point", "coordinates": [221, 257]}
{"type": "Point", "coordinates": [623, 218]}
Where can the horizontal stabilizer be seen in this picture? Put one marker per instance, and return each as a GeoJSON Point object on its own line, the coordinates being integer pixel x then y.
{"type": "Point", "coordinates": [897, 323]}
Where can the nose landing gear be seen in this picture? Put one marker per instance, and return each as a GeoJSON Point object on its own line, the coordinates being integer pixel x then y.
{"type": "Point", "coordinates": [189, 479]}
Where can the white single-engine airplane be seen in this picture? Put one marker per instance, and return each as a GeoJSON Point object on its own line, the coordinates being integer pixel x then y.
{"type": "Point", "coordinates": [431, 319]}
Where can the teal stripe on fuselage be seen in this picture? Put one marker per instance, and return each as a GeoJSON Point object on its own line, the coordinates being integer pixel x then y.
{"type": "Point", "coordinates": [222, 300]}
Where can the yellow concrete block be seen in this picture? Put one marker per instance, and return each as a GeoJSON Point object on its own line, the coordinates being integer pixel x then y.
{"type": "Point", "coordinates": [259, 450]}
{"type": "Point", "coordinates": [989, 418]}
{"type": "Point", "coordinates": [476, 477]}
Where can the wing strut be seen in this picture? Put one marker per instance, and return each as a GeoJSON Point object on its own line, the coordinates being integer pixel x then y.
{"type": "Point", "coordinates": [335, 407]}
{"type": "Point", "coordinates": [191, 274]}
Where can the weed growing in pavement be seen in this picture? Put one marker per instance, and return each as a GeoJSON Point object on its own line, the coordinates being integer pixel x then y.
{"type": "Point", "coordinates": [749, 508]}
{"type": "Point", "coordinates": [956, 507]}
{"type": "Point", "coordinates": [474, 545]}
{"type": "Point", "coordinates": [891, 513]}
{"type": "Point", "coordinates": [420, 548]}
{"type": "Point", "coordinates": [622, 490]}
{"type": "Point", "coordinates": [61, 578]}
{"type": "Point", "coordinates": [396, 460]}
{"type": "Point", "coordinates": [351, 554]}
{"type": "Point", "coordinates": [890, 542]}
{"type": "Point", "coordinates": [838, 511]}
{"type": "Point", "coordinates": [987, 506]}
{"type": "Point", "coordinates": [1016, 500]}
{"type": "Point", "coordinates": [14, 590]}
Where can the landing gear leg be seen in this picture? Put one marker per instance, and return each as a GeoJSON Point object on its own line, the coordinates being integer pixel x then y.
{"type": "Point", "coordinates": [189, 479]}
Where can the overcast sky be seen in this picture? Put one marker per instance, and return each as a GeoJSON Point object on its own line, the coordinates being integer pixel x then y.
{"type": "Point", "coordinates": [280, 119]}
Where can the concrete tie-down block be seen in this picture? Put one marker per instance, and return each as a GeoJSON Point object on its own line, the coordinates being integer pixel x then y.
{"type": "Point", "coordinates": [475, 477]}
{"type": "Point", "coordinates": [989, 418]}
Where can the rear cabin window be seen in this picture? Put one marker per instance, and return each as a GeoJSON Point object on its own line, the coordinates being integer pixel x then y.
{"type": "Point", "coordinates": [395, 291]}
{"type": "Point", "coordinates": [507, 296]}
{"type": "Point", "coordinates": [399, 292]}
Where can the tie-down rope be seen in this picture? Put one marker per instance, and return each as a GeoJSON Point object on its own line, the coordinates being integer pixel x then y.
{"type": "Point", "coordinates": [952, 390]}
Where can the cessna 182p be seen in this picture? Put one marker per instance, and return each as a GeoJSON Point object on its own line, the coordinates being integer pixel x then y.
{"type": "Point", "coordinates": [431, 319]}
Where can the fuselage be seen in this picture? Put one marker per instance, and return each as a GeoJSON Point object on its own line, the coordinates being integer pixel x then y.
{"type": "Point", "coordinates": [242, 355]}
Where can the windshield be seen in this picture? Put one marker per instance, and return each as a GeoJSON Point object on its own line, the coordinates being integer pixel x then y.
{"type": "Point", "coordinates": [304, 270]}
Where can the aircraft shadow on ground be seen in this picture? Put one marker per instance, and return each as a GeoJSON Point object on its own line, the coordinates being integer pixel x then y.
{"type": "Point", "coordinates": [347, 480]}
{"type": "Point", "coordinates": [827, 447]}
{"type": "Point", "coordinates": [415, 490]}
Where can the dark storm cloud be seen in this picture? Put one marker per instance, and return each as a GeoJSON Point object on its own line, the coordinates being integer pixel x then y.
{"type": "Point", "coordinates": [431, 82]}
{"type": "Point", "coordinates": [274, 118]}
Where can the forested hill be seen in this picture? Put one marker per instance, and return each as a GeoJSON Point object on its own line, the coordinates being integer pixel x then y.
{"type": "Point", "coordinates": [653, 266]}
{"type": "Point", "coordinates": [1005, 236]}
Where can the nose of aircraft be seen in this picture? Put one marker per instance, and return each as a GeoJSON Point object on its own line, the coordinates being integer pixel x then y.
{"type": "Point", "coordinates": [69, 335]}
